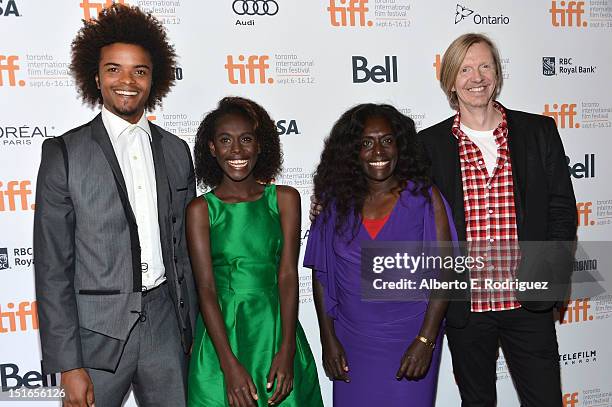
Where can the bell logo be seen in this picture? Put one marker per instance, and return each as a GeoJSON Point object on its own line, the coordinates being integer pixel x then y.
{"type": "Point", "coordinates": [563, 114]}
{"type": "Point", "coordinates": [14, 190]}
{"type": "Point", "coordinates": [584, 209]}
{"type": "Point", "coordinates": [576, 311]}
{"type": "Point", "coordinates": [436, 66]}
{"type": "Point", "coordinates": [8, 63]}
{"type": "Point", "coordinates": [584, 169]}
{"type": "Point", "coordinates": [9, 374]}
{"type": "Point", "coordinates": [9, 9]}
{"type": "Point", "coordinates": [253, 71]}
{"type": "Point", "coordinates": [570, 400]}
{"type": "Point", "coordinates": [563, 15]}
{"type": "Point", "coordinates": [25, 310]}
{"type": "Point", "coordinates": [351, 15]}
{"type": "Point", "coordinates": [89, 6]}
{"type": "Point", "coordinates": [377, 73]}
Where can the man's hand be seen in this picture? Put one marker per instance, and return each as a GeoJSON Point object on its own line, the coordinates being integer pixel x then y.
{"type": "Point", "coordinates": [315, 208]}
{"type": "Point", "coordinates": [78, 387]}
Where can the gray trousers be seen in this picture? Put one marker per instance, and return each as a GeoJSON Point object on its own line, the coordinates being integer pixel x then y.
{"type": "Point", "coordinates": [153, 362]}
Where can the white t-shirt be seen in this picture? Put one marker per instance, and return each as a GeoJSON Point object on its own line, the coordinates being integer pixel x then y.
{"type": "Point", "coordinates": [485, 141]}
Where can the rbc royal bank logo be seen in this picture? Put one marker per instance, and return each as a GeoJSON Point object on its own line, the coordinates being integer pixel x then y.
{"type": "Point", "coordinates": [567, 14]}
{"type": "Point", "coordinates": [255, 7]}
{"type": "Point", "coordinates": [252, 69]}
{"type": "Point", "coordinates": [9, 9]}
{"type": "Point", "coordinates": [4, 260]}
{"type": "Point", "coordinates": [549, 66]}
{"type": "Point", "coordinates": [92, 8]}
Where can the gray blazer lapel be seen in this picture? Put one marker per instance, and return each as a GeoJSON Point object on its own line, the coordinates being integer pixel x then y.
{"type": "Point", "coordinates": [164, 195]}
{"type": "Point", "coordinates": [101, 137]}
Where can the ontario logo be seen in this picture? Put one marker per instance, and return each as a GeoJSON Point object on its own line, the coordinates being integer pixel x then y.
{"type": "Point", "coordinates": [92, 8]}
{"type": "Point", "coordinates": [465, 13]}
{"type": "Point", "coordinates": [567, 14]}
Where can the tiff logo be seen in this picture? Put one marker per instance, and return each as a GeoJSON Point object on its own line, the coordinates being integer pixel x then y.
{"type": "Point", "coordinates": [436, 66]}
{"type": "Point", "coordinates": [253, 71]}
{"type": "Point", "coordinates": [584, 209]}
{"type": "Point", "coordinates": [563, 114]}
{"type": "Point", "coordinates": [570, 400]}
{"type": "Point", "coordinates": [8, 64]}
{"type": "Point", "coordinates": [14, 190]}
{"type": "Point", "coordinates": [25, 310]}
{"type": "Point", "coordinates": [576, 311]}
{"type": "Point", "coordinates": [351, 15]}
{"type": "Point", "coordinates": [89, 6]}
{"type": "Point", "coordinates": [563, 15]}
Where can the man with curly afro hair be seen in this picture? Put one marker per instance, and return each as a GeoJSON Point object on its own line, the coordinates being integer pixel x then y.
{"type": "Point", "coordinates": [116, 296]}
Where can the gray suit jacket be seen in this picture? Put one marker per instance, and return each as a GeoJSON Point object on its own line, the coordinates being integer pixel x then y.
{"type": "Point", "coordinates": [87, 251]}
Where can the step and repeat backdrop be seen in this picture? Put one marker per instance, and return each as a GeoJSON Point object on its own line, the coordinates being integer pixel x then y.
{"type": "Point", "coordinates": [307, 62]}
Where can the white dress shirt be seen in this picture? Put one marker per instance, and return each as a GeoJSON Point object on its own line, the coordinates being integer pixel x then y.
{"type": "Point", "coordinates": [132, 145]}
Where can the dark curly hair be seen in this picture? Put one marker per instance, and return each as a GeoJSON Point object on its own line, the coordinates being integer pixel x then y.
{"type": "Point", "coordinates": [207, 170]}
{"type": "Point", "coordinates": [339, 178]}
{"type": "Point", "coordinates": [124, 24]}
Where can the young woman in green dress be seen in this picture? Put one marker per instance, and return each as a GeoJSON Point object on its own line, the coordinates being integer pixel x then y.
{"type": "Point", "coordinates": [243, 239]}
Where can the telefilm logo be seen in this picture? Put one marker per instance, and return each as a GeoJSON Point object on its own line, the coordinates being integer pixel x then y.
{"type": "Point", "coordinates": [8, 8]}
{"type": "Point", "coordinates": [92, 8]}
{"type": "Point", "coordinates": [567, 14]}
{"type": "Point", "coordinates": [9, 65]}
{"type": "Point", "coordinates": [565, 66]}
{"type": "Point", "coordinates": [377, 73]}
{"type": "Point", "coordinates": [563, 113]}
{"type": "Point", "coordinates": [287, 127]}
{"type": "Point", "coordinates": [576, 311]}
{"type": "Point", "coordinates": [15, 196]}
{"type": "Point", "coordinates": [22, 258]}
{"type": "Point", "coordinates": [578, 358]}
{"type": "Point", "coordinates": [465, 13]}
{"type": "Point", "coordinates": [11, 378]}
{"type": "Point", "coordinates": [252, 69]}
{"type": "Point", "coordinates": [582, 169]}
{"type": "Point", "coordinates": [570, 400]}
{"type": "Point", "coordinates": [18, 317]}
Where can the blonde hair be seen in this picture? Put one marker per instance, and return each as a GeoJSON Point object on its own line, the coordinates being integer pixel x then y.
{"type": "Point", "coordinates": [453, 58]}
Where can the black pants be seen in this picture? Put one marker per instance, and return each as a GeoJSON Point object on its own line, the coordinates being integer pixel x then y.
{"type": "Point", "coordinates": [529, 342]}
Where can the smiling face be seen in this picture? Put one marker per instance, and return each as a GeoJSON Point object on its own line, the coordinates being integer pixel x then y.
{"type": "Point", "coordinates": [235, 147]}
{"type": "Point", "coordinates": [124, 79]}
{"type": "Point", "coordinates": [476, 80]}
{"type": "Point", "coordinates": [378, 154]}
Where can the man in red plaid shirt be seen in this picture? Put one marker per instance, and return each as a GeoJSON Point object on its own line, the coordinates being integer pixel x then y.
{"type": "Point", "coordinates": [504, 175]}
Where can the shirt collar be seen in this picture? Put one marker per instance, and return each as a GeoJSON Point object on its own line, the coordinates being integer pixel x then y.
{"type": "Point", "coordinates": [116, 126]}
{"type": "Point", "coordinates": [501, 132]}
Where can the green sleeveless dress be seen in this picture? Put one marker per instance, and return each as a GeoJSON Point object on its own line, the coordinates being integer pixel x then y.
{"type": "Point", "coordinates": [246, 242]}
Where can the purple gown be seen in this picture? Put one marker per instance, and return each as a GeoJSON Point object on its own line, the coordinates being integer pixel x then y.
{"type": "Point", "coordinates": [374, 335]}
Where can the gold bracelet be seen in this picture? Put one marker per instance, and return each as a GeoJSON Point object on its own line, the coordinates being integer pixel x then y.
{"type": "Point", "coordinates": [426, 341]}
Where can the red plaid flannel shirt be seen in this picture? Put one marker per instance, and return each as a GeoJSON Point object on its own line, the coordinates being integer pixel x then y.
{"type": "Point", "coordinates": [490, 218]}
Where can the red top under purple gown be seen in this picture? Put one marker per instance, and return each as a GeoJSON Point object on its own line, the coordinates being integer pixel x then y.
{"type": "Point", "coordinates": [374, 335]}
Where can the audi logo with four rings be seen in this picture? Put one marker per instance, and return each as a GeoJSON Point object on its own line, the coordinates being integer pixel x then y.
{"type": "Point", "coordinates": [255, 7]}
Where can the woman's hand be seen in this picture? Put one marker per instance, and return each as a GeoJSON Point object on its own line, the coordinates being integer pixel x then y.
{"type": "Point", "coordinates": [281, 371]}
{"type": "Point", "coordinates": [415, 362]}
{"type": "Point", "coordinates": [241, 391]}
{"type": "Point", "coordinates": [334, 359]}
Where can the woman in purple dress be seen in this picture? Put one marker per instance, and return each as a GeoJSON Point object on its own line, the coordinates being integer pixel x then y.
{"type": "Point", "coordinates": [373, 183]}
